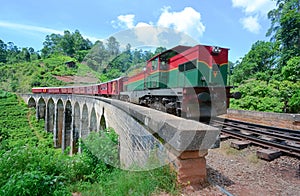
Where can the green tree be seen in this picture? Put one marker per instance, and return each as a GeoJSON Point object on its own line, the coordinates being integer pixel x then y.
{"type": "Point", "coordinates": [97, 56]}
{"type": "Point", "coordinates": [12, 53]}
{"type": "Point", "coordinates": [291, 71]}
{"type": "Point", "coordinates": [67, 43]}
{"type": "Point", "coordinates": [113, 46]}
{"type": "Point", "coordinates": [121, 62]}
{"type": "Point", "coordinates": [25, 55]}
{"type": "Point", "coordinates": [285, 29]}
{"type": "Point", "coordinates": [3, 52]}
{"type": "Point", "coordinates": [260, 59]}
{"type": "Point", "coordinates": [71, 44]}
{"type": "Point", "coordinates": [159, 50]}
{"type": "Point", "coordinates": [80, 43]}
{"type": "Point", "coordinates": [51, 45]}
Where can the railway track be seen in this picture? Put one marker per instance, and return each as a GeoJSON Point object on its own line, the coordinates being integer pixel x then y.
{"type": "Point", "coordinates": [284, 140]}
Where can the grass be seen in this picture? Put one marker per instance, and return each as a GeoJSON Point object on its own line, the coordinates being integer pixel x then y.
{"type": "Point", "coordinates": [229, 150]}
{"type": "Point", "coordinates": [84, 70]}
{"type": "Point", "coordinates": [252, 158]}
{"type": "Point", "coordinates": [121, 182]}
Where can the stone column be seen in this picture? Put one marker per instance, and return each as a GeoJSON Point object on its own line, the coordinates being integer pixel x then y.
{"type": "Point", "coordinates": [80, 132]}
{"type": "Point", "coordinates": [63, 145]}
{"type": "Point", "coordinates": [72, 130]}
{"type": "Point", "coordinates": [37, 112]}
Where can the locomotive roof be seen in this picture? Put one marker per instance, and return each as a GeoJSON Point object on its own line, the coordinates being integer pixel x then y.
{"type": "Point", "coordinates": [165, 54]}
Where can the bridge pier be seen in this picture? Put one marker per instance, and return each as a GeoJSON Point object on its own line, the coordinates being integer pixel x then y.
{"type": "Point", "coordinates": [190, 166]}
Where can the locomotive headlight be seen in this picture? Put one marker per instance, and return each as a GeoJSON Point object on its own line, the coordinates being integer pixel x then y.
{"type": "Point", "coordinates": [216, 50]}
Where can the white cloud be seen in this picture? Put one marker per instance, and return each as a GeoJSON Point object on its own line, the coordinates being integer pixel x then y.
{"type": "Point", "coordinates": [124, 21]}
{"type": "Point", "coordinates": [254, 11]}
{"type": "Point", "coordinates": [251, 24]}
{"type": "Point", "coordinates": [187, 21]}
{"type": "Point", "coordinates": [28, 27]}
{"type": "Point", "coordinates": [255, 6]}
{"type": "Point", "coordinates": [32, 28]}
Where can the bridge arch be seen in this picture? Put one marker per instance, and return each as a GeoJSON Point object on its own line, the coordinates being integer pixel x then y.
{"type": "Point", "coordinates": [31, 102]}
{"type": "Point", "coordinates": [68, 124]}
{"type": "Point", "coordinates": [41, 109]}
{"type": "Point", "coordinates": [76, 128]}
{"type": "Point", "coordinates": [50, 116]}
{"type": "Point", "coordinates": [59, 123]}
{"type": "Point", "coordinates": [85, 122]}
{"type": "Point", "coordinates": [102, 121]}
{"type": "Point", "coordinates": [93, 120]}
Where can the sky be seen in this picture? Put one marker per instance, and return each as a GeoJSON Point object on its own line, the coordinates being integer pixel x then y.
{"type": "Point", "coordinates": [233, 24]}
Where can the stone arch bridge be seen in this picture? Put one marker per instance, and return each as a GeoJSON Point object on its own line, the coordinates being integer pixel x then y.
{"type": "Point", "coordinates": [142, 131]}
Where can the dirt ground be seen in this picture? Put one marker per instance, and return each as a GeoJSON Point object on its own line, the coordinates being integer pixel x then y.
{"type": "Point", "coordinates": [242, 173]}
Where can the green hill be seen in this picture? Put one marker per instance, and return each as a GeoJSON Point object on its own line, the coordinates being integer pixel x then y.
{"type": "Point", "coordinates": [21, 77]}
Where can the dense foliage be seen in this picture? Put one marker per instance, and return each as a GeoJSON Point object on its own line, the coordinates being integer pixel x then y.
{"type": "Point", "coordinates": [29, 165]}
{"type": "Point", "coordinates": [269, 74]}
{"type": "Point", "coordinates": [23, 68]}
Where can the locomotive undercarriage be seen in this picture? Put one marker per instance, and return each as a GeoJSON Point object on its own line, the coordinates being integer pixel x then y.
{"type": "Point", "coordinates": [182, 102]}
{"type": "Point", "coordinates": [166, 100]}
{"type": "Point", "coordinates": [195, 103]}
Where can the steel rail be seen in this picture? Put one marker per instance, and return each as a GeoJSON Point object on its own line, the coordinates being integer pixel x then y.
{"type": "Point", "coordinates": [236, 129]}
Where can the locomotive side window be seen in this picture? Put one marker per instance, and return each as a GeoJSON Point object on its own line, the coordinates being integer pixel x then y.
{"type": "Point", "coordinates": [187, 66]}
{"type": "Point", "coordinates": [155, 64]}
{"type": "Point", "coordinates": [190, 65]}
{"type": "Point", "coordinates": [164, 65]}
{"type": "Point", "coordinates": [181, 68]}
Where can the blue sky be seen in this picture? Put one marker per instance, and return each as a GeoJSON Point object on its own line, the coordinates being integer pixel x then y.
{"type": "Point", "coordinates": [235, 24]}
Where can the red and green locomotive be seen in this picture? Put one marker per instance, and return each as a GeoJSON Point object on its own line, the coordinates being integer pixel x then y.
{"type": "Point", "coordinates": [186, 81]}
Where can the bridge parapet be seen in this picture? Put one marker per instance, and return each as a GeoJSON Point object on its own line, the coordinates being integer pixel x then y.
{"type": "Point", "coordinates": [144, 133]}
{"type": "Point", "coordinates": [187, 141]}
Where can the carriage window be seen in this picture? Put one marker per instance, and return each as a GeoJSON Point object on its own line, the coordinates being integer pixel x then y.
{"type": "Point", "coordinates": [155, 64]}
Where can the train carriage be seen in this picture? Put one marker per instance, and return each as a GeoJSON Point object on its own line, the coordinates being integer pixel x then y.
{"type": "Point", "coordinates": [103, 89]}
{"type": "Point", "coordinates": [89, 90]}
{"type": "Point", "coordinates": [114, 87]}
{"type": "Point", "coordinates": [76, 90]}
{"type": "Point", "coordinates": [82, 90]}
{"type": "Point", "coordinates": [95, 89]}
{"type": "Point", "coordinates": [38, 90]}
{"type": "Point", "coordinates": [54, 90]}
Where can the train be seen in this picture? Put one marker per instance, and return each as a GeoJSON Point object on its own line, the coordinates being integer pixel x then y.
{"type": "Point", "coordinates": [187, 81]}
